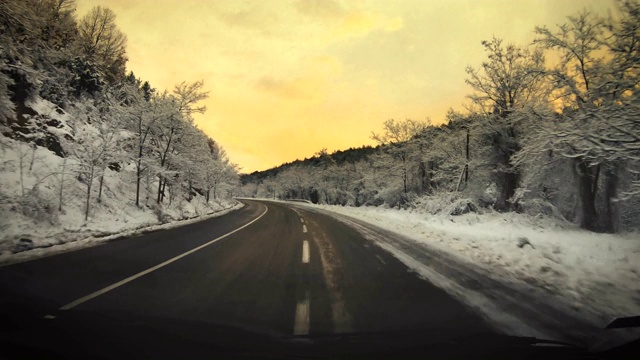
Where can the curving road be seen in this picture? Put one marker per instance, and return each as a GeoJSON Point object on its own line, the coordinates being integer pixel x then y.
{"type": "Point", "coordinates": [269, 267]}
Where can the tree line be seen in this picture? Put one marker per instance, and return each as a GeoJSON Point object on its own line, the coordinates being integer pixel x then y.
{"type": "Point", "coordinates": [551, 127]}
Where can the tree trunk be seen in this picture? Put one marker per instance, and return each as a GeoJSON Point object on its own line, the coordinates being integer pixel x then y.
{"type": "Point", "coordinates": [158, 198]}
{"type": "Point", "coordinates": [596, 178]}
{"type": "Point", "coordinates": [507, 185]}
{"type": "Point", "coordinates": [148, 188]}
{"type": "Point", "coordinates": [138, 179]}
{"type": "Point", "coordinates": [508, 179]}
{"type": "Point", "coordinates": [466, 165]}
{"type": "Point", "coordinates": [424, 180]}
{"type": "Point", "coordinates": [460, 180]}
{"type": "Point", "coordinates": [21, 163]}
{"type": "Point", "coordinates": [207, 197]}
{"type": "Point", "coordinates": [404, 180]}
{"type": "Point", "coordinates": [138, 176]}
{"type": "Point", "coordinates": [162, 184]}
{"type": "Point", "coordinates": [587, 195]}
{"type": "Point", "coordinates": [431, 185]}
{"type": "Point", "coordinates": [611, 221]}
{"type": "Point", "coordinates": [100, 188]}
{"type": "Point", "coordinates": [89, 182]}
{"type": "Point", "coordinates": [164, 187]}
{"type": "Point", "coordinates": [64, 165]}
{"type": "Point", "coordinates": [33, 157]}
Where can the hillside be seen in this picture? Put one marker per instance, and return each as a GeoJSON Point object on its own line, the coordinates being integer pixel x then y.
{"type": "Point", "coordinates": [338, 157]}
{"type": "Point", "coordinates": [87, 149]}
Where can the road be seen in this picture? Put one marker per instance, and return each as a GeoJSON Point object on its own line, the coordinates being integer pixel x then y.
{"type": "Point", "coordinates": [270, 268]}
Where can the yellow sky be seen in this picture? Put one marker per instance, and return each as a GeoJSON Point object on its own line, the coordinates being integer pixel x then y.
{"type": "Point", "coordinates": [288, 78]}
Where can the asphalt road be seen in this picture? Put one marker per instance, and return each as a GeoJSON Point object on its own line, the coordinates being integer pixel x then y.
{"type": "Point", "coordinates": [271, 268]}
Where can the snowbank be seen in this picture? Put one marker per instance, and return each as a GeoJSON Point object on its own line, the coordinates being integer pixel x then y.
{"type": "Point", "coordinates": [36, 216]}
{"type": "Point", "coordinates": [101, 237]}
{"type": "Point", "coordinates": [598, 273]}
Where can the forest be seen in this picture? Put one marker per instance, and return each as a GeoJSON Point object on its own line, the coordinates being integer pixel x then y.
{"type": "Point", "coordinates": [78, 129]}
{"type": "Point", "coordinates": [550, 128]}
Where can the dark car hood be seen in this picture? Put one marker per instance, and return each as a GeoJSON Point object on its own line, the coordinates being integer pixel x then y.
{"type": "Point", "coordinates": [85, 334]}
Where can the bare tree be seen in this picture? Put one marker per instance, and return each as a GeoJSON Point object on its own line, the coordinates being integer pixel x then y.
{"type": "Point", "coordinates": [395, 139]}
{"type": "Point", "coordinates": [103, 41]}
{"type": "Point", "coordinates": [188, 95]}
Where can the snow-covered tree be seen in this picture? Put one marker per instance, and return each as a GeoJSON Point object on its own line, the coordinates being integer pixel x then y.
{"type": "Point", "coordinates": [92, 148]}
{"type": "Point", "coordinates": [6, 106]}
{"type": "Point", "coordinates": [167, 131]}
{"type": "Point", "coordinates": [507, 82]}
{"type": "Point", "coordinates": [142, 115]}
{"type": "Point", "coordinates": [398, 152]}
{"type": "Point", "coordinates": [103, 42]}
{"type": "Point", "coordinates": [188, 96]}
{"type": "Point", "coordinates": [595, 84]}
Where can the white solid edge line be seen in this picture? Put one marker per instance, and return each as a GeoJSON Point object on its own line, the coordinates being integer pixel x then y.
{"type": "Point", "coordinates": [145, 272]}
{"type": "Point", "coordinates": [304, 228]}
{"type": "Point", "coordinates": [305, 252]}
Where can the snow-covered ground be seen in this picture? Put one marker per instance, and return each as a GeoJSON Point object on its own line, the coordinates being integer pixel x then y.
{"type": "Point", "coordinates": [597, 275]}
{"type": "Point", "coordinates": [76, 241]}
{"type": "Point", "coordinates": [30, 184]}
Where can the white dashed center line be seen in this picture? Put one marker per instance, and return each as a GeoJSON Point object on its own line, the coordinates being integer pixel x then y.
{"type": "Point", "coordinates": [301, 323]}
{"type": "Point", "coordinates": [305, 252]}
{"type": "Point", "coordinates": [303, 307]}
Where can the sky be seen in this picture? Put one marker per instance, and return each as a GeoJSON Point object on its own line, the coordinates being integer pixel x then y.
{"type": "Point", "coordinates": [287, 78]}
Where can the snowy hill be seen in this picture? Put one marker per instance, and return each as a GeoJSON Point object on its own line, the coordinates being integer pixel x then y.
{"type": "Point", "coordinates": [43, 200]}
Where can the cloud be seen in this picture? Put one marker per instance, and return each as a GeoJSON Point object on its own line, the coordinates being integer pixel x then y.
{"type": "Point", "coordinates": [312, 84]}
{"type": "Point", "coordinates": [294, 89]}
{"type": "Point", "coordinates": [347, 22]}
{"type": "Point", "coordinates": [361, 23]}
{"type": "Point", "coordinates": [325, 65]}
{"type": "Point", "coordinates": [394, 24]}
{"type": "Point", "coordinates": [253, 16]}
{"type": "Point", "coordinates": [319, 8]}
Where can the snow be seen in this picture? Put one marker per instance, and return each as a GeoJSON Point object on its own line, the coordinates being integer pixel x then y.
{"type": "Point", "coordinates": [596, 274]}
{"type": "Point", "coordinates": [49, 109]}
{"type": "Point", "coordinates": [29, 199]}
{"type": "Point", "coordinates": [100, 237]}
